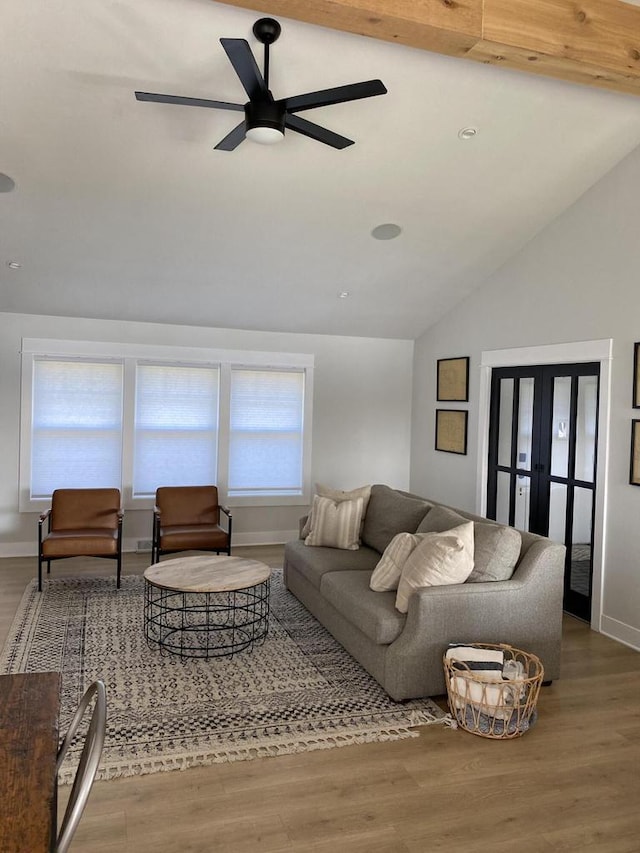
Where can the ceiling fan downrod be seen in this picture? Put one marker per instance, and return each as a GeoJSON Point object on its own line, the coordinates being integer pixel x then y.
{"type": "Point", "coordinates": [266, 30]}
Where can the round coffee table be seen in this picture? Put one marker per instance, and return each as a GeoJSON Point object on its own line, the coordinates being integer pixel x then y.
{"type": "Point", "coordinates": [206, 606]}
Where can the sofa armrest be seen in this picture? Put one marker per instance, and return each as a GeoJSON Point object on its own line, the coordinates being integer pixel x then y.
{"type": "Point", "coordinates": [529, 604]}
{"type": "Point", "coordinates": [525, 611]}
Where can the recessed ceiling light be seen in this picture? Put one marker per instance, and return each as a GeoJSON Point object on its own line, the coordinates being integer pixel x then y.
{"type": "Point", "coordinates": [14, 265]}
{"type": "Point", "coordinates": [467, 132]}
{"type": "Point", "coordinates": [386, 231]}
{"type": "Point", "coordinates": [6, 183]}
{"type": "Point", "coordinates": [344, 294]}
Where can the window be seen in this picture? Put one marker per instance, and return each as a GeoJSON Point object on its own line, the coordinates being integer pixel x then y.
{"type": "Point", "coordinates": [77, 425]}
{"type": "Point", "coordinates": [176, 427]}
{"type": "Point", "coordinates": [136, 417]}
{"type": "Point", "coordinates": [265, 443]}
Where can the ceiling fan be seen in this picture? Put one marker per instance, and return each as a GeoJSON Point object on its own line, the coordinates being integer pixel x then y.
{"type": "Point", "coordinates": [265, 119]}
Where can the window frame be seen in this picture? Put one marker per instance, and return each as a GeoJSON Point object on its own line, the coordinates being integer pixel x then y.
{"type": "Point", "coordinates": [132, 354]}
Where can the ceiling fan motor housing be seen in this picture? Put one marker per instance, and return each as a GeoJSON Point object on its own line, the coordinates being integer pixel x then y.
{"type": "Point", "coordinates": [264, 114]}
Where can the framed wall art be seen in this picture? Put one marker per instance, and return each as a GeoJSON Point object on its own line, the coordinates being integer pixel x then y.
{"type": "Point", "coordinates": [453, 380]}
{"type": "Point", "coordinates": [451, 430]}
{"type": "Point", "coordinates": [634, 465]}
{"type": "Point", "coordinates": [636, 375]}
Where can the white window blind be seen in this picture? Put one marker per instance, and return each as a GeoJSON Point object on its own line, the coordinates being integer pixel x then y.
{"type": "Point", "coordinates": [176, 427]}
{"type": "Point", "coordinates": [138, 416]}
{"type": "Point", "coordinates": [266, 432]}
{"type": "Point", "coordinates": [76, 434]}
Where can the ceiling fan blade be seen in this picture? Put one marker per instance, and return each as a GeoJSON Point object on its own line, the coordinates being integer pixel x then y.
{"type": "Point", "coordinates": [246, 68]}
{"type": "Point", "coordinates": [233, 139]}
{"type": "Point", "coordinates": [314, 131]}
{"type": "Point", "coordinates": [187, 102]}
{"type": "Point", "coordinates": [340, 94]}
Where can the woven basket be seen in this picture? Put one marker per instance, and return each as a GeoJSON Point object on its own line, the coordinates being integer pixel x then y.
{"type": "Point", "coordinates": [495, 708]}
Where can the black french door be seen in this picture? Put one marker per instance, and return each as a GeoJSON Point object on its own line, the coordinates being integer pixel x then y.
{"type": "Point", "coordinates": [542, 462]}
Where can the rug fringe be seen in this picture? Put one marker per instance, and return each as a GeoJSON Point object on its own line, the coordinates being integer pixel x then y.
{"type": "Point", "coordinates": [120, 769]}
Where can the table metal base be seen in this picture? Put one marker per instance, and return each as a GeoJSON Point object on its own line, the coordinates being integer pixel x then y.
{"type": "Point", "coordinates": [206, 624]}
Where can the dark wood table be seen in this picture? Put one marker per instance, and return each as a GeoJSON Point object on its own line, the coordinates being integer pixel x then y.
{"type": "Point", "coordinates": [29, 706]}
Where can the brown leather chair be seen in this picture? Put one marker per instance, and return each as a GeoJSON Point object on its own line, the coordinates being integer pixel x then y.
{"type": "Point", "coordinates": [187, 518]}
{"type": "Point", "coordinates": [82, 523]}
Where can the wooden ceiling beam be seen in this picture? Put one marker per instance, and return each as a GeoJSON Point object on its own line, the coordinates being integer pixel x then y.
{"type": "Point", "coordinates": [595, 42]}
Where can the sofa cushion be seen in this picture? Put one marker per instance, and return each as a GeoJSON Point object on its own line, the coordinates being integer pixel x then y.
{"type": "Point", "coordinates": [496, 546]}
{"type": "Point", "coordinates": [373, 613]}
{"type": "Point", "coordinates": [439, 560]}
{"type": "Point", "coordinates": [389, 512]}
{"type": "Point", "coordinates": [386, 574]}
{"type": "Point", "coordinates": [313, 563]}
{"type": "Point", "coordinates": [335, 524]}
{"type": "Point", "coordinates": [338, 495]}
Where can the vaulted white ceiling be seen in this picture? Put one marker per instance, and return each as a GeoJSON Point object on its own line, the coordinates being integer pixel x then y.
{"type": "Point", "coordinates": [123, 210]}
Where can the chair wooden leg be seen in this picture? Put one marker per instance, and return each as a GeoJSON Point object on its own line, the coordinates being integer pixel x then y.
{"type": "Point", "coordinates": [39, 572]}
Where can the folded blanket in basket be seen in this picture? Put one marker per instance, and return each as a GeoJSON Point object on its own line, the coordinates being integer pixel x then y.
{"type": "Point", "coordinates": [478, 660]}
{"type": "Point", "coordinates": [481, 681]}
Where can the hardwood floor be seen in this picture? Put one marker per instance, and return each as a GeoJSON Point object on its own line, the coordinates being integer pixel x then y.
{"type": "Point", "coordinates": [570, 784]}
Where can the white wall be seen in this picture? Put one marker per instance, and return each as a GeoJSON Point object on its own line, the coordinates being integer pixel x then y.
{"type": "Point", "coordinates": [576, 281]}
{"type": "Point", "coordinates": [361, 422]}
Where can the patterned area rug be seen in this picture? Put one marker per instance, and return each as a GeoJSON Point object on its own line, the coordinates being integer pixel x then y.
{"type": "Point", "coordinates": [298, 691]}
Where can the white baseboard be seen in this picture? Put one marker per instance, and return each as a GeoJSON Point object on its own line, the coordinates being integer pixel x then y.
{"type": "Point", "coordinates": [265, 537]}
{"type": "Point", "coordinates": [18, 549]}
{"type": "Point", "coordinates": [620, 631]}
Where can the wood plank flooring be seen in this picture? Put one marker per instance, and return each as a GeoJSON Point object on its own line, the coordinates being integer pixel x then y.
{"type": "Point", "coordinates": [570, 784]}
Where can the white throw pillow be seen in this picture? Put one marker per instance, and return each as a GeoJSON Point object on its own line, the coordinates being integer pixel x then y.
{"type": "Point", "coordinates": [337, 495]}
{"type": "Point", "coordinates": [335, 524]}
{"type": "Point", "coordinates": [440, 559]}
{"type": "Point", "coordinates": [386, 574]}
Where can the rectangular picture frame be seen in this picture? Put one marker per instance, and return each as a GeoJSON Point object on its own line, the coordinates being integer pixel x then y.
{"type": "Point", "coordinates": [634, 462]}
{"type": "Point", "coordinates": [452, 380]}
{"type": "Point", "coordinates": [636, 375]}
{"type": "Point", "coordinates": [451, 430]}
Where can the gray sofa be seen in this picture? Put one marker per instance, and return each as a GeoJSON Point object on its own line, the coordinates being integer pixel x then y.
{"type": "Point", "coordinates": [403, 652]}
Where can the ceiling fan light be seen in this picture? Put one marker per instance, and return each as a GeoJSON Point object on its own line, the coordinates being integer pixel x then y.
{"type": "Point", "coordinates": [265, 135]}
{"type": "Point", "coordinates": [264, 122]}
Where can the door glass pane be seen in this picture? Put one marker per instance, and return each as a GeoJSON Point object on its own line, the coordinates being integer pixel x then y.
{"type": "Point", "coordinates": [560, 426]}
{"type": "Point", "coordinates": [557, 512]}
{"type": "Point", "coordinates": [580, 580]}
{"type": "Point", "coordinates": [504, 424]}
{"type": "Point", "coordinates": [525, 424]}
{"type": "Point", "coordinates": [586, 428]}
{"type": "Point", "coordinates": [502, 497]}
{"type": "Point", "coordinates": [523, 496]}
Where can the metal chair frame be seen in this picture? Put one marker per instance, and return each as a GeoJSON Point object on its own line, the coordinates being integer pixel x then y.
{"type": "Point", "coordinates": [89, 760]}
